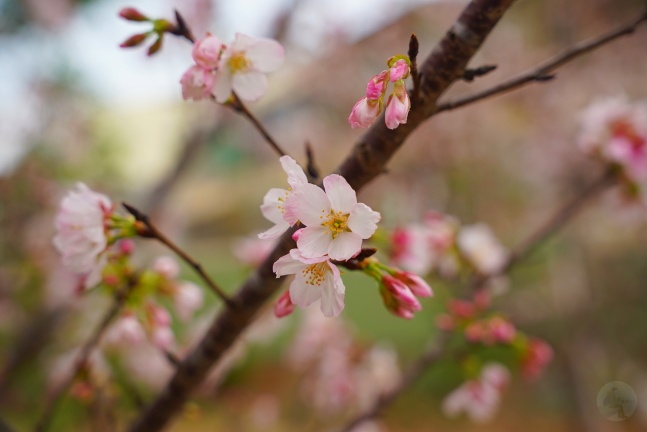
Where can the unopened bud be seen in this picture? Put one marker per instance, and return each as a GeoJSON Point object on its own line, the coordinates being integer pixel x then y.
{"type": "Point", "coordinates": [156, 46]}
{"type": "Point", "coordinates": [134, 40]}
{"type": "Point", "coordinates": [132, 14]}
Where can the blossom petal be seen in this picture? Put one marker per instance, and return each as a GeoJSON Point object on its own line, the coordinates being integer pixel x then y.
{"type": "Point", "coordinates": [221, 89]}
{"type": "Point", "coordinates": [341, 195]}
{"type": "Point", "coordinates": [332, 295]}
{"type": "Point", "coordinates": [309, 204]}
{"type": "Point", "coordinates": [273, 204]}
{"type": "Point", "coordinates": [250, 86]}
{"type": "Point", "coordinates": [363, 220]}
{"type": "Point", "coordinates": [345, 246]}
{"type": "Point", "coordinates": [303, 294]}
{"type": "Point", "coordinates": [266, 55]}
{"type": "Point", "coordinates": [296, 176]}
{"type": "Point", "coordinates": [287, 265]}
{"type": "Point", "coordinates": [314, 241]}
{"type": "Point", "coordinates": [274, 231]}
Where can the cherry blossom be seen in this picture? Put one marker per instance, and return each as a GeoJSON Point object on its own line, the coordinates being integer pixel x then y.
{"type": "Point", "coordinates": [398, 297]}
{"type": "Point", "coordinates": [167, 266]}
{"type": "Point", "coordinates": [243, 66]}
{"type": "Point", "coordinates": [479, 399]}
{"type": "Point", "coordinates": [535, 358]}
{"type": "Point", "coordinates": [316, 279]}
{"type": "Point", "coordinates": [480, 247]}
{"type": "Point", "coordinates": [276, 200]}
{"type": "Point", "coordinates": [335, 222]}
{"type": "Point", "coordinates": [364, 113]}
{"type": "Point", "coordinates": [206, 52]}
{"type": "Point", "coordinates": [197, 83]}
{"type": "Point", "coordinates": [187, 298]}
{"type": "Point", "coordinates": [82, 231]}
{"type": "Point", "coordinates": [283, 306]}
{"type": "Point", "coordinates": [126, 330]}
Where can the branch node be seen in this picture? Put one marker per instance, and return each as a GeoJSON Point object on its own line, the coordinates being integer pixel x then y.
{"type": "Point", "coordinates": [472, 73]}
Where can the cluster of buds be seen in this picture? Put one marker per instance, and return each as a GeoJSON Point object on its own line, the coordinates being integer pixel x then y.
{"type": "Point", "coordinates": [535, 356]}
{"type": "Point", "coordinates": [159, 28]}
{"type": "Point", "coordinates": [441, 244]}
{"type": "Point", "coordinates": [398, 104]}
{"type": "Point", "coordinates": [614, 131]}
{"type": "Point", "coordinates": [399, 289]}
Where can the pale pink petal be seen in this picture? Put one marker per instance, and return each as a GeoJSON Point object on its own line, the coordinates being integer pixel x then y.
{"type": "Point", "coordinates": [342, 197]}
{"type": "Point", "coordinates": [399, 70]}
{"type": "Point", "coordinates": [363, 220]}
{"type": "Point", "coordinates": [310, 205]}
{"type": "Point", "coordinates": [275, 231]}
{"type": "Point", "coordinates": [249, 86]}
{"type": "Point", "coordinates": [345, 246]}
{"type": "Point", "coordinates": [242, 42]}
{"type": "Point", "coordinates": [273, 204]}
{"type": "Point", "coordinates": [314, 241]}
{"type": "Point", "coordinates": [287, 265]}
{"type": "Point", "coordinates": [332, 295]}
{"type": "Point", "coordinates": [206, 52]}
{"type": "Point", "coordinates": [303, 294]}
{"type": "Point", "coordinates": [221, 89]}
{"type": "Point", "coordinates": [364, 113]}
{"type": "Point", "coordinates": [296, 176]}
{"type": "Point", "coordinates": [266, 55]}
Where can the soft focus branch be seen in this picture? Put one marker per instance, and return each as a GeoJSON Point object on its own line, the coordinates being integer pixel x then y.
{"type": "Point", "coordinates": [151, 231]}
{"type": "Point", "coordinates": [84, 354]}
{"type": "Point", "coordinates": [543, 72]}
{"type": "Point", "coordinates": [435, 352]}
{"type": "Point", "coordinates": [446, 64]}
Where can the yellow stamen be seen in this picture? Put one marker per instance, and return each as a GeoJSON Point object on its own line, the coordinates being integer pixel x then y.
{"type": "Point", "coordinates": [337, 222]}
{"type": "Point", "coordinates": [315, 274]}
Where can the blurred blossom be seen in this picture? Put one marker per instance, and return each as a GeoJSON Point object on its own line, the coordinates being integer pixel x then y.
{"type": "Point", "coordinates": [187, 298]}
{"type": "Point", "coordinates": [614, 130]}
{"type": "Point", "coordinates": [478, 245]}
{"type": "Point", "coordinates": [147, 364]}
{"type": "Point", "coordinates": [252, 250]}
{"type": "Point", "coordinates": [95, 368]}
{"type": "Point", "coordinates": [480, 398]}
{"type": "Point", "coordinates": [81, 229]}
{"type": "Point", "coordinates": [167, 266]}
{"type": "Point", "coordinates": [125, 331]}
{"type": "Point", "coordinates": [536, 357]}
{"type": "Point", "coordinates": [378, 374]}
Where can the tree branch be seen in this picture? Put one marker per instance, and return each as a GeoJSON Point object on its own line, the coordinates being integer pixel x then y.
{"type": "Point", "coordinates": [543, 72]}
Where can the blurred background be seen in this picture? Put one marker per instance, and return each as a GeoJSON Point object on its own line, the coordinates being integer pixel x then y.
{"type": "Point", "coordinates": [75, 107]}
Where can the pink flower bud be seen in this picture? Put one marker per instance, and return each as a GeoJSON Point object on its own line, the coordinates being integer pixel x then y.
{"type": "Point", "coordinates": [398, 106]}
{"type": "Point", "coordinates": [297, 234]}
{"type": "Point", "coordinates": [134, 40]}
{"type": "Point", "coordinates": [377, 86]}
{"type": "Point", "coordinates": [538, 354]}
{"type": "Point", "coordinates": [167, 266]}
{"type": "Point", "coordinates": [445, 322]}
{"type": "Point", "coordinates": [398, 298]}
{"type": "Point", "coordinates": [399, 70]}
{"type": "Point", "coordinates": [283, 306]}
{"type": "Point", "coordinates": [364, 113]}
{"type": "Point", "coordinates": [132, 14]}
{"type": "Point", "coordinates": [206, 52]}
{"type": "Point", "coordinates": [126, 246]}
{"type": "Point", "coordinates": [417, 284]}
{"type": "Point", "coordinates": [157, 45]}
{"type": "Point", "coordinates": [461, 308]}
{"type": "Point", "coordinates": [502, 330]}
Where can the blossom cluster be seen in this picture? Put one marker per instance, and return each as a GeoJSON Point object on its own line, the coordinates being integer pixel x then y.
{"type": "Point", "coordinates": [441, 244]}
{"type": "Point", "coordinates": [239, 67]}
{"type": "Point", "coordinates": [334, 227]}
{"type": "Point", "coordinates": [615, 132]}
{"type": "Point", "coordinates": [398, 104]}
{"type": "Point", "coordinates": [479, 398]}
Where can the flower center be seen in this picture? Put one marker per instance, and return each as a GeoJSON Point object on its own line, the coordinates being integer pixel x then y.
{"type": "Point", "coordinates": [238, 63]}
{"type": "Point", "coordinates": [337, 222]}
{"type": "Point", "coordinates": [315, 274]}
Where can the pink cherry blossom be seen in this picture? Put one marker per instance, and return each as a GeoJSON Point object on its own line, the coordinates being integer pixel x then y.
{"type": "Point", "coordinates": [479, 399]}
{"type": "Point", "coordinates": [276, 200]}
{"type": "Point", "coordinates": [126, 330]}
{"type": "Point", "coordinates": [243, 66]}
{"type": "Point", "coordinates": [398, 106]}
{"type": "Point", "coordinates": [364, 113]}
{"type": "Point", "coordinates": [418, 285]}
{"type": "Point", "coordinates": [81, 231]}
{"type": "Point", "coordinates": [187, 298]}
{"type": "Point", "coordinates": [376, 87]}
{"type": "Point", "coordinates": [197, 83]}
{"type": "Point", "coordinates": [316, 279]}
{"type": "Point", "coordinates": [167, 266]}
{"type": "Point", "coordinates": [206, 52]}
{"type": "Point", "coordinates": [480, 247]}
{"type": "Point", "coordinates": [399, 70]}
{"type": "Point", "coordinates": [535, 359]}
{"type": "Point", "coordinates": [335, 222]}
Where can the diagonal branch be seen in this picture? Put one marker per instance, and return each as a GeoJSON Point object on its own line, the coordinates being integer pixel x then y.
{"type": "Point", "coordinates": [543, 72]}
{"type": "Point", "coordinates": [367, 160]}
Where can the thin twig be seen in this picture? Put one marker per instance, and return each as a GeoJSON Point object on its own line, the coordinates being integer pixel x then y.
{"type": "Point", "coordinates": [151, 231]}
{"type": "Point", "coordinates": [414, 47]}
{"type": "Point", "coordinates": [46, 418]}
{"type": "Point", "coordinates": [237, 105]}
{"type": "Point", "coordinates": [311, 167]}
{"type": "Point", "coordinates": [543, 72]}
{"type": "Point", "coordinates": [522, 251]}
